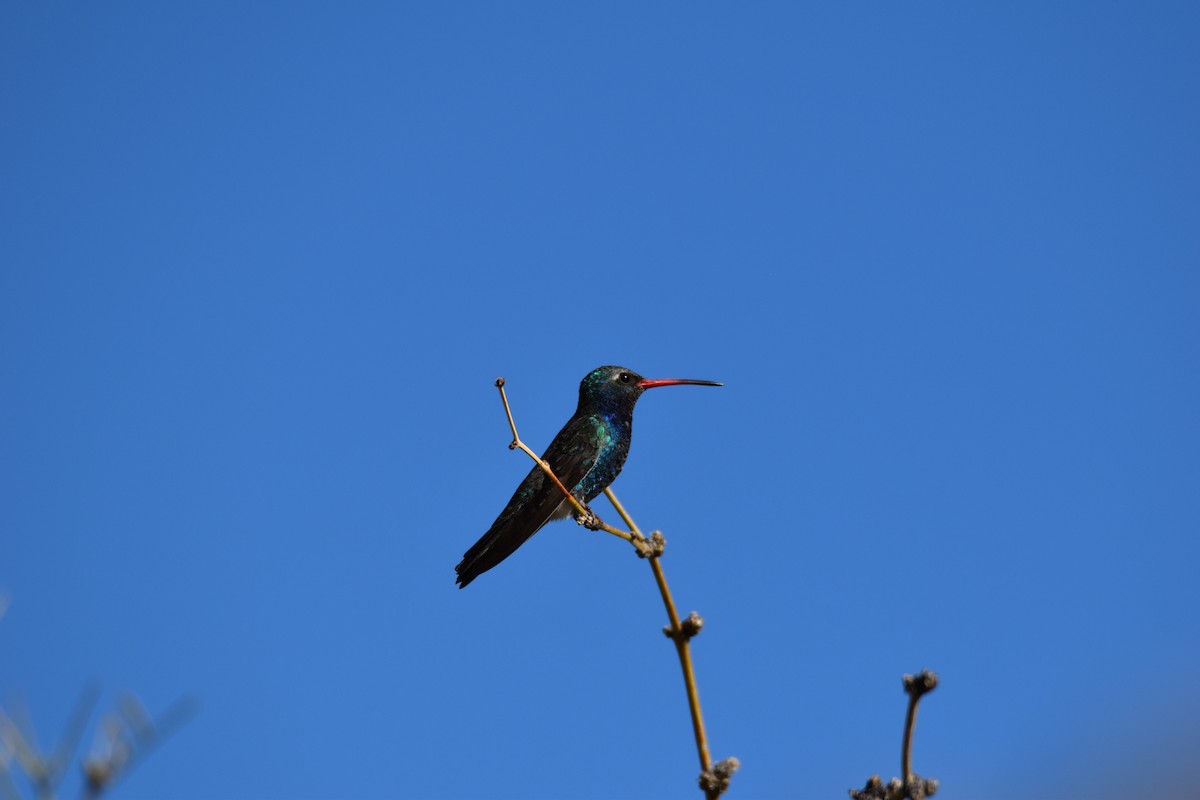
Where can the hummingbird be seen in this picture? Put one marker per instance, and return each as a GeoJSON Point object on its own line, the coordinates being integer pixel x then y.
{"type": "Point", "coordinates": [586, 455]}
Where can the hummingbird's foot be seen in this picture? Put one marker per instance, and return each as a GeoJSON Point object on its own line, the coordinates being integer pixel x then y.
{"type": "Point", "coordinates": [588, 519]}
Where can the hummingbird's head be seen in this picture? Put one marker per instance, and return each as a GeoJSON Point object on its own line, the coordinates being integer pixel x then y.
{"type": "Point", "coordinates": [617, 389]}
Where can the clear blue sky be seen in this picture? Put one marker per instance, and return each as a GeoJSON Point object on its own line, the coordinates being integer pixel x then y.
{"type": "Point", "coordinates": [260, 264]}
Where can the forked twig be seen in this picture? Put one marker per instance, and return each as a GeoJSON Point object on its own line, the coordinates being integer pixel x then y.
{"type": "Point", "coordinates": [714, 779]}
{"type": "Point", "coordinates": [680, 633]}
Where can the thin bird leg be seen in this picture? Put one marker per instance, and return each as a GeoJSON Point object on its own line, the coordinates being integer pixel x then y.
{"type": "Point", "coordinates": [583, 512]}
{"type": "Point", "coordinates": [680, 637]}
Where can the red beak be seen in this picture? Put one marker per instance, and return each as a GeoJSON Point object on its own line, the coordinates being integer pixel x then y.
{"type": "Point", "coordinates": [650, 384]}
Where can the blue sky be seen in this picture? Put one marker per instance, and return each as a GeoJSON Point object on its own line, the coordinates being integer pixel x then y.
{"type": "Point", "coordinates": [260, 264]}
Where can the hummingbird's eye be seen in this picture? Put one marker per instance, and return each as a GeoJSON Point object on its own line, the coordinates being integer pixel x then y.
{"type": "Point", "coordinates": [624, 376]}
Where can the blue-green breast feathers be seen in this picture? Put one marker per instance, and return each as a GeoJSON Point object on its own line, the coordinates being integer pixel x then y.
{"type": "Point", "coordinates": [610, 444]}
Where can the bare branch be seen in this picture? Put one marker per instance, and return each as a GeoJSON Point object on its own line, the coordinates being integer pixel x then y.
{"type": "Point", "coordinates": [714, 779]}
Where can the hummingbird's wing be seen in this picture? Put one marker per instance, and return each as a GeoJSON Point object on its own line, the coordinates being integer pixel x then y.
{"type": "Point", "coordinates": [572, 455]}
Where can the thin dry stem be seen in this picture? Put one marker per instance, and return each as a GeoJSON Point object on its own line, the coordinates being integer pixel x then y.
{"type": "Point", "coordinates": [912, 786]}
{"type": "Point", "coordinates": [685, 664]}
{"type": "Point", "coordinates": [678, 637]}
{"type": "Point", "coordinates": [637, 538]}
{"type": "Point", "coordinates": [612, 498]}
{"type": "Point", "coordinates": [651, 552]}
{"type": "Point", "coordinates": [916, 686]}
{"type": "Point", "coordinates": [910, 722]}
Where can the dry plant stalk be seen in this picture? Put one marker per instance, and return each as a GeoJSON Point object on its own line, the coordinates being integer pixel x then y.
{"type": "Point", "coordinates": [714, 779]}
{"type": "Point", "coordinates": [911, 786]}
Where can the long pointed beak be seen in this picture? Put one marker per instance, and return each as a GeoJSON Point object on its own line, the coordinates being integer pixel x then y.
{"type": "Point", "coordinates": [650, 384]}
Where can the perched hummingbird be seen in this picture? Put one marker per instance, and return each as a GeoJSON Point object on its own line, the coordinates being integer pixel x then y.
{"type": "Point", "coordinates": [586, 455]}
